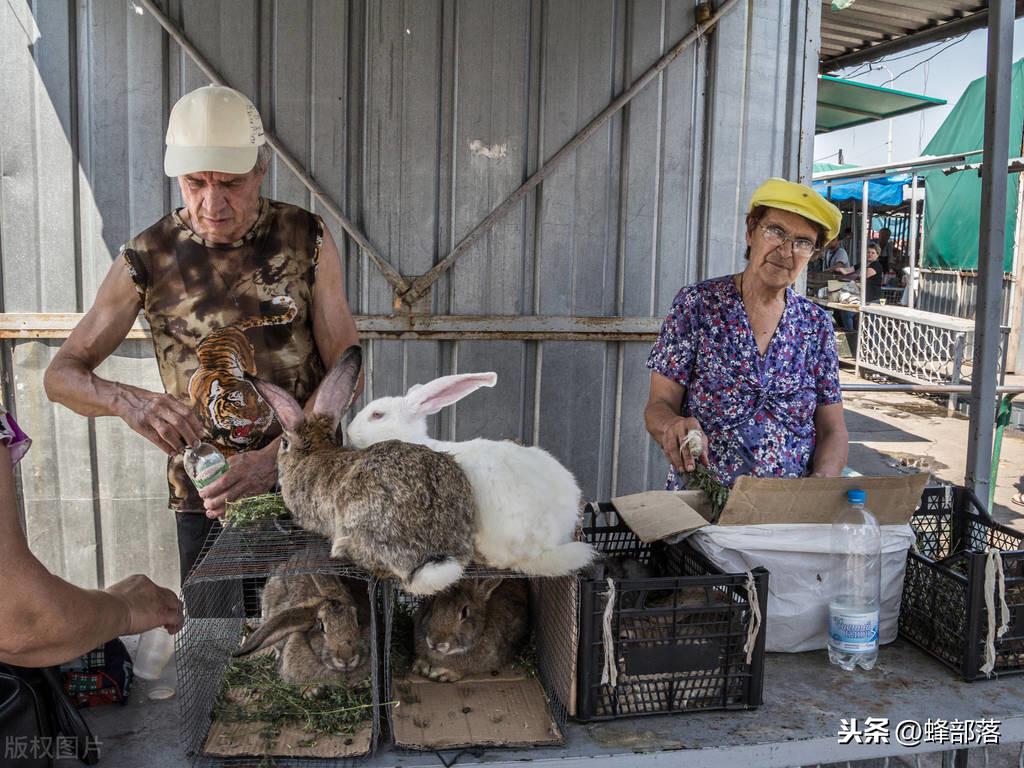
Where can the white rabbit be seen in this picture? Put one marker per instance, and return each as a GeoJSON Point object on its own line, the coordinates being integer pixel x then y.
{"type": "Point", "coordinates": [528, 504]}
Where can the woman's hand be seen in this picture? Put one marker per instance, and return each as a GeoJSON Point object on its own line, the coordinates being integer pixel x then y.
{"type": "Point", "coordinates": [673, 443]}
{"type": "Point", "coordinates": [248, 474]}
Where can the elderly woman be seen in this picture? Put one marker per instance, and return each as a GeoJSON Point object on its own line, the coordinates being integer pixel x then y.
{"type": "Point", "coordinates": [749, 362]}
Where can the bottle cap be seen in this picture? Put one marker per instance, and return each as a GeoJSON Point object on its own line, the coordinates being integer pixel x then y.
{"type": "Point", "coordinates": [856, 496]}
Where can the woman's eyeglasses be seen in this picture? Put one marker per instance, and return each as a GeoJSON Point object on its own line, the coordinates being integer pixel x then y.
{"type": "Point", "coordinates": [776, 236]}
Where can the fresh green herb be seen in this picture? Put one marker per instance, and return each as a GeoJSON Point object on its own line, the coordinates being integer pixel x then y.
{"type": "Point", "coordinates": [253, 693]}
{"type": "Point", "coordinates": [266, 506]}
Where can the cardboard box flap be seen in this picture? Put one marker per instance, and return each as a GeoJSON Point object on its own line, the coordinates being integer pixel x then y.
{"type": "Point", "coordinates": [763, 500]}
{"type": "Point", "coordinates": [656, 515]}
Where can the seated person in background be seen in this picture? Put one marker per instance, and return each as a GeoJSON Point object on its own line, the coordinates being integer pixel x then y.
{"type": "Point", "coordinates": [833, 255]}
{"type": "Point", "coordinates": [44, 620]}
{"type": "Point", "coordinates": [874, 275]}
{"type": "Point", "coordinates": [885, 250]}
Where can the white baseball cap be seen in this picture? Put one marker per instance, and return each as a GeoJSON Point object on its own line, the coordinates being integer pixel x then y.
{"type": "Point", "coordinates": [213, 128]}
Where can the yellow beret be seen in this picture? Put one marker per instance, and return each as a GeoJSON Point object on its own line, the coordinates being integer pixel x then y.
{"type": "Point", "coordinates": [799, 199]}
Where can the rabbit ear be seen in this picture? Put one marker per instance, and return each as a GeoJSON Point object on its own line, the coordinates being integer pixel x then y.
{"type": "Point", "coordinates": [338, 388]}
{"type": "Point", "coordinates": [284, 406]}
{"type": "Point", "coordinates": [486, 587]}
{"type": "Point", "coordinates": [277, 628]}
{"type": "Point", "coordinates": [325, 585]}
{"type": "Point", "coordinates": [431, 397]}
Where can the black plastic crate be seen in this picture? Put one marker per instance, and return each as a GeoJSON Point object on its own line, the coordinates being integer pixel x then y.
{"type": "Point", "coordinates": [943, 608]}
{"type": "Point", "coordinates": [679, 634]}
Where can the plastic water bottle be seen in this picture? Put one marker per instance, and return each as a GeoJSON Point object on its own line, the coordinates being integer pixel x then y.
{"type": "Point", "coordinates": [204, 464]}
{"type": "Point", "coordinates": [155, 649]}
{"type": "Point", "coordinates": [853, 610]}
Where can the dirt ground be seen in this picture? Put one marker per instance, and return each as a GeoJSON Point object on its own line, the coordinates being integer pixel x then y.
{"type": "Point", "coordinates": [892, 433]}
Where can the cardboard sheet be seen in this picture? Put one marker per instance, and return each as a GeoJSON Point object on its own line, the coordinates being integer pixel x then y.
{"type": "Point", "coordinates": [655, 515]}
{"type": "Point", "coordinates": [245, 740]}
{"type": "Point", "coordinates": [508, 710]}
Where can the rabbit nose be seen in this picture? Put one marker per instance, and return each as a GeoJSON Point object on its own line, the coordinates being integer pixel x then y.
{"type": "Point", "coordinates": [442, 647]}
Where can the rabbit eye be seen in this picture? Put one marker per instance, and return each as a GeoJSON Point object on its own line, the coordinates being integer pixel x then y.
{"type": "Point", "coordinates": [465, 612]}
{"type": "Point", "coordinates": [319, 625]}
{"type": "Point", "coordinates": [377, 415]}
{"type": "Point", "coordinates": [285, 444]}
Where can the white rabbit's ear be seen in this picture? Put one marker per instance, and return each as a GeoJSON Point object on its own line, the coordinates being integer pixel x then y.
{"type": "Point", "coordinates": [431, 397]}
{"type": "Point", "coordinates": [337, 390]}
{"type": "Point", "coordinates": [284, 406]}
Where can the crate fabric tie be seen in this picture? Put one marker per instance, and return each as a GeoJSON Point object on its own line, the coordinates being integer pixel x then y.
{"type": "Point", "coordinates": [755, 617]}
{"type": "Point", "coordinates": [610, 672]}
{"type": "Point", "coordinates": [994, 574]}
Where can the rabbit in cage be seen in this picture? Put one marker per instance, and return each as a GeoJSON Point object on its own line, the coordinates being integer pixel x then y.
{"type": "Point", "coordinates": [477, 627]}
{"type": "Point", "coordinates": [527, 503]}
{"type": "Point", "coordinates": [395, 509]}
{"type": "Point", "coordinates": [318, 626]}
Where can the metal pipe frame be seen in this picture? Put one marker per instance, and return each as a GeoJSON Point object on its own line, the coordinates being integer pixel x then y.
{"type": "Point", "coordinates": [991, 241]}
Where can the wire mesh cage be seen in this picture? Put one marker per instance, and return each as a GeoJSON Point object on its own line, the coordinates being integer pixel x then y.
{"type": "Point", "coordinates": [945, 609]}
{"type": "Point", "coordinates": [548, 657]}
{"type": "Point", "coordinates": [673, 626]}
{"type": "Point", "coordinates": [239, 712]}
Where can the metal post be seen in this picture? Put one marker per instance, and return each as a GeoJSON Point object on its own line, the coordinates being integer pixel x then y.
{"type": "Point", "coordinates": [912, 244]}
{"type": "Point", "coordinates": [865, 233]}
{"type": "Point", "coordinates": [990, 246]}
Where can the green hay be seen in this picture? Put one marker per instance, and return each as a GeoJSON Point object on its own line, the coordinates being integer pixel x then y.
{"type": "Point", "coordinates": [338, 710]}
{"type": "Point", "coordinates": [266, 506]}
{"type": "Point", "coordinates": [702, 479]}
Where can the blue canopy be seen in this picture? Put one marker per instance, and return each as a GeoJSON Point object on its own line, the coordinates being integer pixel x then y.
{"type": "Point", "coordinates": [885, 191]}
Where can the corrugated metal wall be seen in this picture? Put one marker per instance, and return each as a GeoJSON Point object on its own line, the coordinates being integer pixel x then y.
{"type": "Point", "coordinates": [390, 105]}
{"type": "Point", "coordinates": [951, 292]}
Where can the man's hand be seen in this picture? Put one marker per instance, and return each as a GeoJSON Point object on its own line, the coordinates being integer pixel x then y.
{"type": "Point", "coordinates": [166, 422]}
{"type": "Point", "coordinates": [673, 443]}
{"type": "Point", "coordinates": [149, 606]}
{"type": "Point", "coordinates": [248, 474]}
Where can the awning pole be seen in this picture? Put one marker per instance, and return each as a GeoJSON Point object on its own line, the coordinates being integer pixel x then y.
{"type": "Point", "coordinates": [991, 240]}
{"type": "Point", "coordinates": [912, 244]}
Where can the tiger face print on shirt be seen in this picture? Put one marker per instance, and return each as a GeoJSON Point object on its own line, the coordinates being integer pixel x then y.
{"type": "Point", "coordinates": [232, 413]}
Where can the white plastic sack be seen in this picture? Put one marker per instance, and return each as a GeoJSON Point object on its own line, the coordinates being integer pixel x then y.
{"type": "Point", "coordinates": [798, 560]}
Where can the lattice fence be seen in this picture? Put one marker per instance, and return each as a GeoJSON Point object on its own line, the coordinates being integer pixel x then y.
{"type": "Point", "coordinates": [920, 347]}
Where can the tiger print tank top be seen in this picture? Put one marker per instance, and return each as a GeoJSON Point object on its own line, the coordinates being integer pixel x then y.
{"type": "Point", "coordinates": [219, 311]}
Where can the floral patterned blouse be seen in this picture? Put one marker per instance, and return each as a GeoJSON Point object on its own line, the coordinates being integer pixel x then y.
{"type": "Point", "coordinates": [17, 442]}
{"type": "Point", "coordinates": [757, 411]}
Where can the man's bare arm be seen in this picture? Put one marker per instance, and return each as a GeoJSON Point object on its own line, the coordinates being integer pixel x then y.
{"type": "Point", "coordinates": [71, 381]}
{"type": "Point", "coordinates": [334, 328]}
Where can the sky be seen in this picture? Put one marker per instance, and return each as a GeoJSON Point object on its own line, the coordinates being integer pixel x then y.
{"type": "Point", "coordinates": [954, 66]}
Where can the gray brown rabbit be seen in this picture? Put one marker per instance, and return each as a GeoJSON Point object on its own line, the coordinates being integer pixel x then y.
{"type": "Point", "coordinates": [395, 509]}
{"type": "Point", "coordinates": [319, 626]}
{"type": "Point", "coordinates": [476, 627]}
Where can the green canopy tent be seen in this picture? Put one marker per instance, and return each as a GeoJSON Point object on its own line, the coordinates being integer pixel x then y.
{"type": "Point", "coordinates": [953, 209]}
{"type": "Point", "coordinates": [846, 103]}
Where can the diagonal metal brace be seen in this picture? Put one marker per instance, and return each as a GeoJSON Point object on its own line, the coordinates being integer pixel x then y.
{"type": "Point", "coordinates": [399, 283]}
{"type": "Point", "coordinates": [422, 284]}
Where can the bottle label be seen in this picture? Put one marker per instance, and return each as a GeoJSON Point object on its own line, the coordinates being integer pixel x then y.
{"type": "Point", "coordinates": [207, 469]}
{"type": "Point", "coordinates": [850, 632]}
